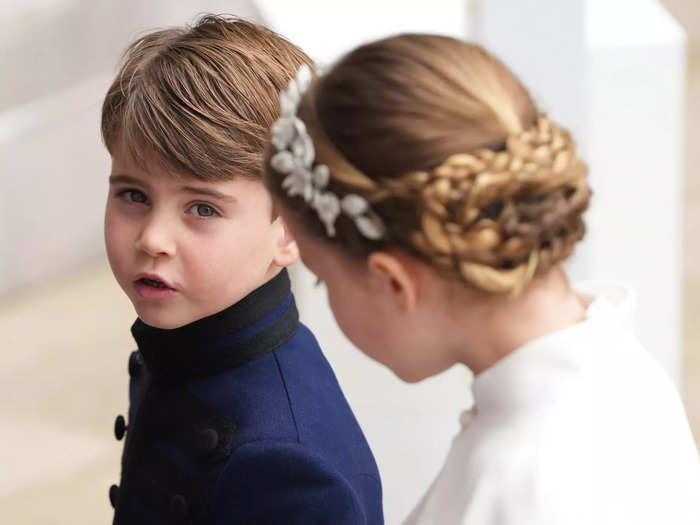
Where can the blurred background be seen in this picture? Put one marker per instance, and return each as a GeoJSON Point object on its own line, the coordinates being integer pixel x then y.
{"type": "Point", "coordinates": [624, 75]}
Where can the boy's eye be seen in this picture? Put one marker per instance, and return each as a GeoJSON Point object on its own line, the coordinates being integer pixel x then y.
{"type": "Point", "coordinates": [134, 196]}
{"type": "Point", "coordinates": [203, 210]}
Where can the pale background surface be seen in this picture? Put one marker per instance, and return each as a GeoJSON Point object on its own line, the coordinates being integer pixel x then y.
{"type": "Point", "coordinates": [65, 322]}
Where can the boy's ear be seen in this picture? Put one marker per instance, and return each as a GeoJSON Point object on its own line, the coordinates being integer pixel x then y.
{"type": "Point", "coordinates": [286, 249]}
{"type": "Point", "coordinates": [392, 275]}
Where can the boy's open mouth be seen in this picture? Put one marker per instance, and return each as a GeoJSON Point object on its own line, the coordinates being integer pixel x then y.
{"type": "Point", "coordinates": [152, 288]}
{"type": "Point", "coordinates": [152, 282]}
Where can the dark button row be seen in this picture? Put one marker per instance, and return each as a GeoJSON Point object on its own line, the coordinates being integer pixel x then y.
{"type": "Point", "coordinates": [114, 495]}
{"type": "Point", "coordinates": [119, 427]}
{"type": "Point", "coordinates": [178, 508]}
{"type": "Point", "coordinates": [206, 441]}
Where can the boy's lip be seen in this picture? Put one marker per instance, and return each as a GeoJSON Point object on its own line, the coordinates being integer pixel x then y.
{"type": "Point", "coordinates": [150, 292]}
{"type": "Point", "coordinates": [154, 277]}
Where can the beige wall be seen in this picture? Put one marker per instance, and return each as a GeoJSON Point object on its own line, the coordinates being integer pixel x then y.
{"type": "Point", "coordinates": [687, 12]}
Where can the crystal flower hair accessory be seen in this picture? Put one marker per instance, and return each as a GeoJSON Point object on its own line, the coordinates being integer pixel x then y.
{"type": "Point", "coordinates": [295, 158]}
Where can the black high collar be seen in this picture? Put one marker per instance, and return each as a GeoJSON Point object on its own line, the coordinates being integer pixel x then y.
{"type": "Point", "coordinates": [258, 323]}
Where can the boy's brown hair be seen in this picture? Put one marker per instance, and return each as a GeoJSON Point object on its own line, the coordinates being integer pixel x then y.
{"type": "Point", "coordinates": [200, 100]}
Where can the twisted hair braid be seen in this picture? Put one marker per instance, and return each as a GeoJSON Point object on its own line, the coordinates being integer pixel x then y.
{"type": "Point", "coordinates": [493, 218]}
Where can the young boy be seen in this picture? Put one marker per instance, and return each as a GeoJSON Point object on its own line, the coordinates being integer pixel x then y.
{"type": "Point", "coordinates": [235, 416]}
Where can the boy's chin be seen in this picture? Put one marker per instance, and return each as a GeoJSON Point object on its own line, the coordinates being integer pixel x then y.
{"type": "Point", "coordinates": [164, 320]}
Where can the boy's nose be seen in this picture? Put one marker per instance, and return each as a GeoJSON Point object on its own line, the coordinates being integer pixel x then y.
{"type": "Point", "coordinates": [156, 238]}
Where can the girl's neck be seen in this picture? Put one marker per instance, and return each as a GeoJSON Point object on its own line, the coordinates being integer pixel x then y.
{"type": "Point", "coordinates": [500, 325]}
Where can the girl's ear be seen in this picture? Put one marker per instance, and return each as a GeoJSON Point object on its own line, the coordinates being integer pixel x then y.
{"type": "Point", "coordinates": [286, 249]}
{"type": "Point", "coordinates": [393, 275]}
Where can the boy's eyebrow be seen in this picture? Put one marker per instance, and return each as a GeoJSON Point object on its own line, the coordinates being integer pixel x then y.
{"type": "Point", "coordinates": [126, 179]}
{"type": "Point", "coordinates": [207, 191]}
{"type": "Point", "coordinates": [196, 190]}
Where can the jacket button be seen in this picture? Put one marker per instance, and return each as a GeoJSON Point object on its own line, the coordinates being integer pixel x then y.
{"type": "Point", "coordinates": [119, 427]}
{"type": "Point", "coordinates": [207, 440]}
{"type": "Point", "coordinates": [135, 362]}
{"type": "Point", "coordinates": [178, 508]}
{"type": "Point", "coordinates": [114, 495]}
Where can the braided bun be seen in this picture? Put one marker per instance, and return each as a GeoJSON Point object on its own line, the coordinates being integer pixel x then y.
{"type": "Point", "coordinates": [494, 218]}
{"type": "Point", "coordinates": [448, 148]}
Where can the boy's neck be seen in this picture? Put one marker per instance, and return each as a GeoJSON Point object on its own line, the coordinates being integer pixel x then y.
{"type": "Point", "coordinates": [272, 272]}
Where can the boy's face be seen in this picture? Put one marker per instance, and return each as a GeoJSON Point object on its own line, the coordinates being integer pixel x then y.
{"type": "Point", "coordinates": [183, 249]}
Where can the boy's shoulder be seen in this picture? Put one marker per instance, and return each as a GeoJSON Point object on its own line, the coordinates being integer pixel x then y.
{"type": "Point", "coordinates": [295, 433]}
{"type": "Point", "coordinates": [289, 394]}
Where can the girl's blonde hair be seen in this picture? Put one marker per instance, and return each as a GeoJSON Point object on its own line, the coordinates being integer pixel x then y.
{"type": "Point", "coordinates": [452, 154]}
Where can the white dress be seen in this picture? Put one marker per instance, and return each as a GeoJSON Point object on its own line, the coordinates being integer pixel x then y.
{"type": "Point", "coordinates": [580, 426]}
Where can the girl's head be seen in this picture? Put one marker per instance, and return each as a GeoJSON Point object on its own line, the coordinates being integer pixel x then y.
{"type": "Point", "coordinates": [422, 162]}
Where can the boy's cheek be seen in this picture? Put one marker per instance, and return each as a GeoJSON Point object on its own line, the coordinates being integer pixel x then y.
{"type": "Point", "coordinates": [241, 244]}
{"type": "Point", "coordinates": [114, 239]}
{"type": "Point", "coordinates": [229, 269]}
{"type": "Point", "coordinates": [117, 246]}
{"type": "Point", "coordinates": [112, 222]}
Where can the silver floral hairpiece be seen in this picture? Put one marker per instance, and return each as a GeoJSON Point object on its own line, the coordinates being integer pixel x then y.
{"type": "Point", "coordinates": [295, 159]}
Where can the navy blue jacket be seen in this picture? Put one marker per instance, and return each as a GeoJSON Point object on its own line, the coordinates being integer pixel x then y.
{"type": "Point", "coordinates": [238, 419]}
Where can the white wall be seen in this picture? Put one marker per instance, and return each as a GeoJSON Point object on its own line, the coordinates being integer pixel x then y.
{"type": "Point", "coordinates": [52, 173]}
{"type": "Point", "coordinates": [614, 72]}
{"type": "Point", "coordinates": [326, 30]}
{"type": "Point", "coordinates": [637, 144]}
